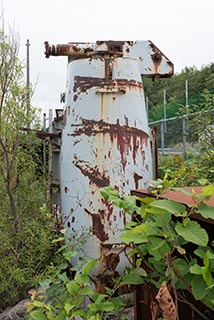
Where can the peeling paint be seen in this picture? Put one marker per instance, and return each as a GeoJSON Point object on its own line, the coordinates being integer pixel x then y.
{"type": "Point", "coordinates": [92, 173]}
{"type": "Point", "coordinates": [124, 135]}
{"type": "Point", "coordinates": [136, 179]}
{"type": "Point", "coordinates": [97, 226]}
{"type": "Point", "coordinates": [82, 84]}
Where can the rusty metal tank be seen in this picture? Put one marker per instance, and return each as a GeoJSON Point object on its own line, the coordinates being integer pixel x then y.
{"type": "Point", "coordinates": [105, 137]}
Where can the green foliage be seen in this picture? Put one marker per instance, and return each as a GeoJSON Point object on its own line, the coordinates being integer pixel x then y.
{"type": "Point", "coordinates": [25, 224]}
{"type": "Point", "coordinates": [65, 297]}
{"type": "Point", "coordinates": [196, 169]}
{"type": "Point", "coordinates": [198, 81]}
{"type": "Point", "coordinates": [161, 235]}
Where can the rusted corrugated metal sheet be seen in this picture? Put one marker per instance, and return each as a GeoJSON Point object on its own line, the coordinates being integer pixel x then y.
{"type": "Point", "coordinates": [179, 196]}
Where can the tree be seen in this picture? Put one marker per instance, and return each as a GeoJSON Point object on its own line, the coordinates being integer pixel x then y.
{"type": "Point", "coordinates": [198, 81]}
{"type": "Point", "coordinates": [25, 230]}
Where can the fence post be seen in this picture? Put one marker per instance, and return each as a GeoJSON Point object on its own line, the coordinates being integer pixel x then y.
{"type": "Point", "coordinates": [184, 129]}
{"type": "Point", "coordinates": [162, 137]}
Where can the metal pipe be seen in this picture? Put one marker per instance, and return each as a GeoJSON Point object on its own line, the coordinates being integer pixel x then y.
{"type": "Point", "coordinates": [71, 49]}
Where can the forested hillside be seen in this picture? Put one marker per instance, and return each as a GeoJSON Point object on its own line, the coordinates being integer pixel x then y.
{"type": "Point", "coordinates": [198, 81]}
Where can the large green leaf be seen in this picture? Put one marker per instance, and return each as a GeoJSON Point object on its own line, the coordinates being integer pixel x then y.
{"type": "Point", "coordinates": [199, 287]}
{"type": "Point", "coordinates": [106, 306]}
{"type": "Point", "coordinates": [81, 279]}
{"type": "Point", "coordinates": [129, 204]}
{"type": "Point", "coordinates": [158, 264]}
{"type": "Point", "coordinates": [130, 236]}
{"type": "Point", "coordinates": [162, 220]}
{"type": "Point", "coordinates": [192, 232]}
{"type": "Point", "coordinates": [61, 316]}
{"type": "Point", "coordinates": [206, 211]}
{"type": "Point", "coordinates": [195, 269]}
{"type": "Point", "coordinates": [142, 228]}
{"type": "Point", "coordinates": [45, 283]}
{"type": "Point", "coordinates": [170, 206]}
{"type": "Point", "coordinates": [69, 255]}
{"type": "Point", "coordinates": [86, 291]}
{"type": "Point", "coordinates": [208, 190]}
{"type": "Point", "coordinates": [87, 268]}
{"type": "Point", "coordinates": [132, 278]}
{"type": "Point", "coordinates": [108, 192]}
{"type": "Point", "coordinates": [100, 298]}
{"type": "Point", "coordinates": [207, 276]}
{"type": "Point", "coordinates": [204, 271]}
{"type": "Point", "coordinates": [205, 254]}
{"type": "Point", "coordinates": [118, 303]}
{"type": "Point", "coordinates": [40, 304]}
{"type": "Point", "coordinates": [155, 210]}
{"type": "Point", "coordinates": [180, 271]}
{"type": "Point", "coordinates": [68, 307]}
{"type": "Point", "coordinates": [140, 271]}
{"type": "Point", "coordinates": [78, 313]}
{"type": "Point", "coordinates": [158, 248]}
{"type": "Point", "coordinates": [185, 191]}
{"type": "Point", "coordinates": [73, 287]}
{"type": "Point", "coordinates": [181, 266]}
{"type": "Point", "coordinates": [38, 315]}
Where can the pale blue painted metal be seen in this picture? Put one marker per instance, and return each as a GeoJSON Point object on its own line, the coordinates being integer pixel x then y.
{"type": "Point", "coordinates": [105, 139]}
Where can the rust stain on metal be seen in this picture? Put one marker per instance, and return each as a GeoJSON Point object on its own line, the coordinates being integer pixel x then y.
{"type": "Point", "coordinates": [82, 84]}
{"type": "Point", "coordinates": [76, 142]}
{"type": "Point", "coordinates": [131, 43]}
{"type": "Point", "coordinates": [75, 48]}
{"type": "Point", "coordinates": [69, 49]}
{"type": "Point", "coordinates": [112, 46]}
{"type": "Point", "coordinates": [136, 180]}
{"type": "Point", "coordinates": [135, 148]}
{"type": "Point", "coordinates": [110, 260]}
{"type": "Point", "coordinates": [92, 127]}
{"type": "Point", "coordinates": [96, 177]}
{"type": "Point", "coordinates": [109, 207]}
{"type": "Point", "coordinates": [75, 97]}
{"type": "Point", "coordinates": [108, 69]}
{"type": "Point", "coordinates": [66, 190]}
{"type": "Point", "coordinates": [156, 57]}
{"type": "Point", "coordinates": [126, 121]}
{"type": "Point", "coordinates": [97, 226]}
{"type": "Point", "coordinates": [64, 121]}
{"type": "Point", "coordinates": [126, 137]}
{"type": "Point", "coordinates": [143, 155]}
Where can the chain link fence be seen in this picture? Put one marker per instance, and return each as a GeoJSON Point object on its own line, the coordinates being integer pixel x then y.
{"type": "Point", "coordinates": [175, 135]}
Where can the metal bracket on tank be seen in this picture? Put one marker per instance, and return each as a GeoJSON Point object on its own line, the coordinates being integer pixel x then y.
{"type": "Point", "coordinates": [152, 62]}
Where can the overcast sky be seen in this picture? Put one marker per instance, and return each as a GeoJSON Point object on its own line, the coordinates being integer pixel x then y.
{"type": "Point", "coordinates": [181, 29]}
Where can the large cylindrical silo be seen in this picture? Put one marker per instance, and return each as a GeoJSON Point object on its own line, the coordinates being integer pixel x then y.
{"type": "Point", "coordinates": [105, 139]}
